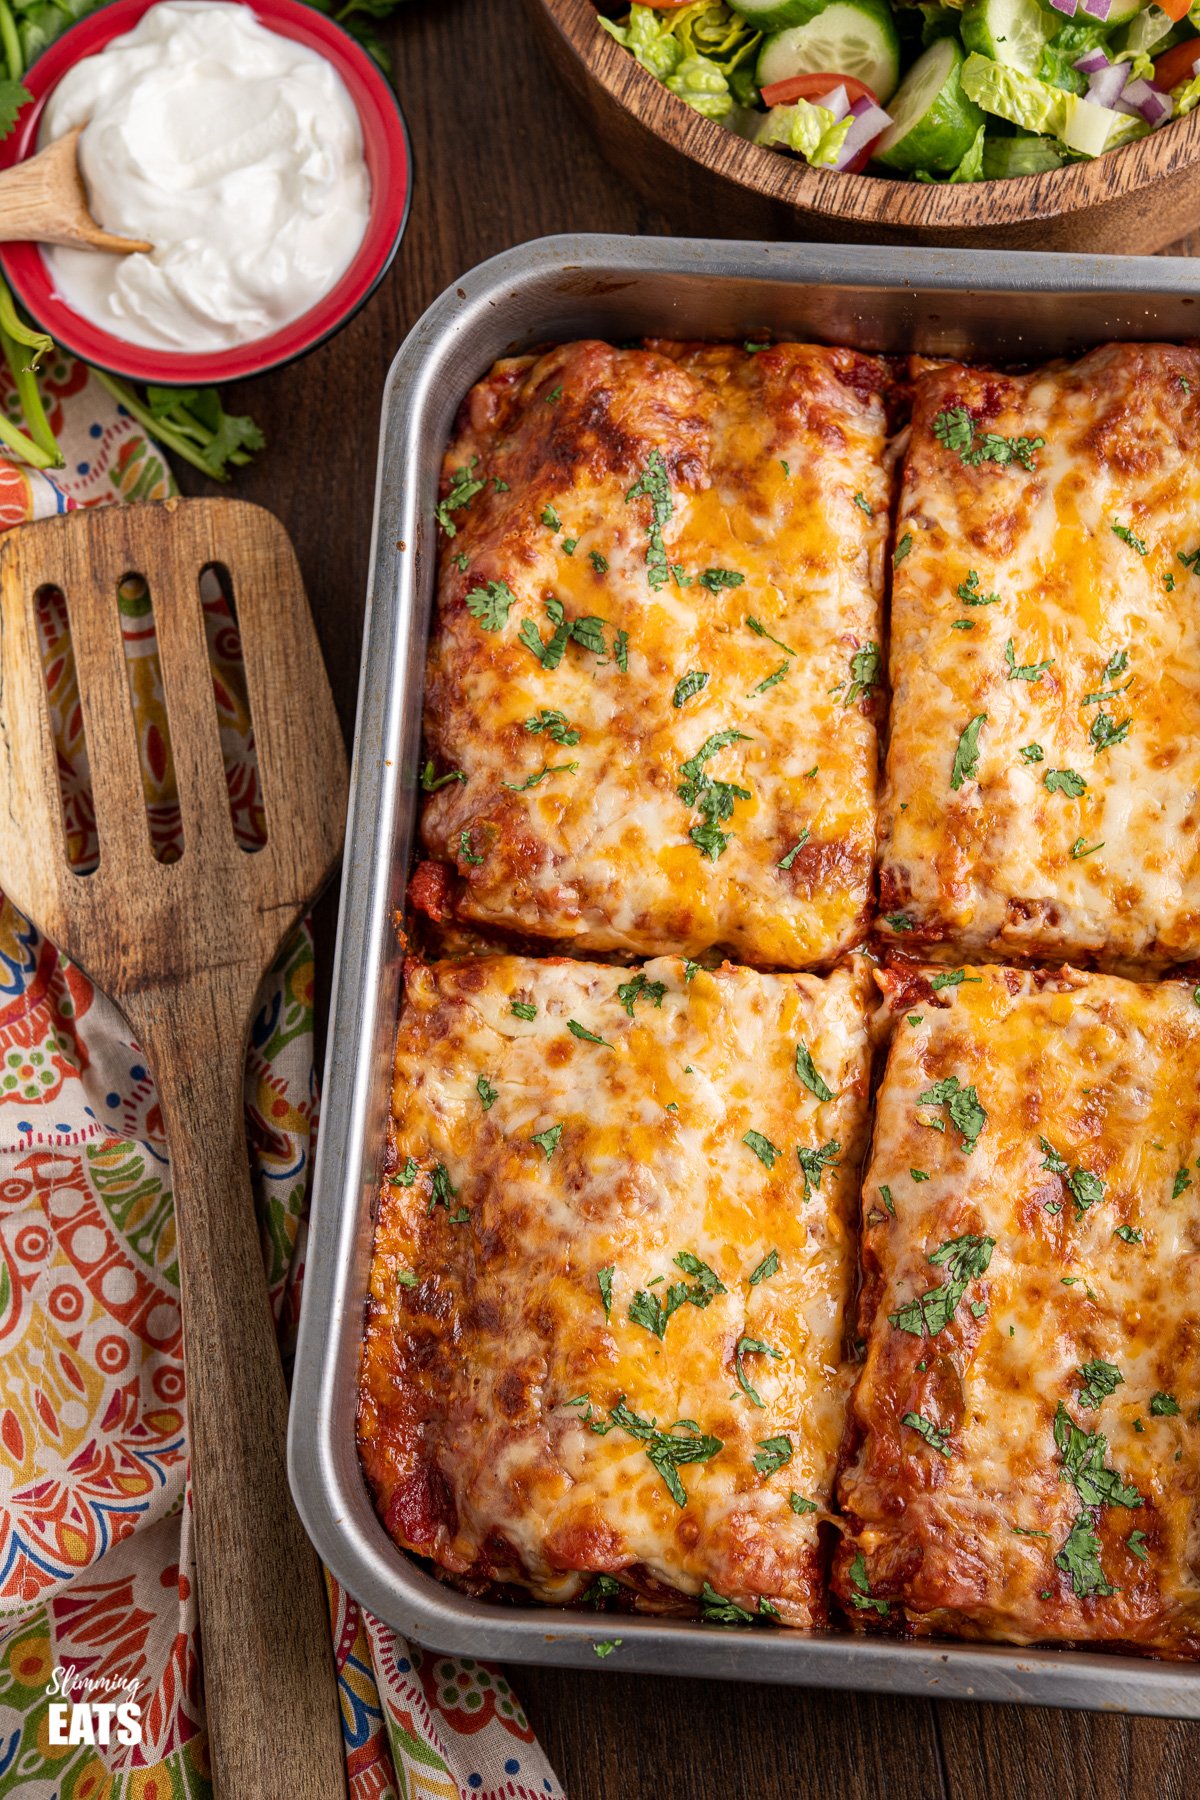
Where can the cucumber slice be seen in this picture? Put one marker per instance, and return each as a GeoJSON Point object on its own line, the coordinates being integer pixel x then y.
{"type": "Point", "coordinates": [775, 15]}
{"type": "Point", "coordinates": [1020, 155]}
{"type": "Point", "coordinates": [1120, 13]}
{"type": "Point", "coordinates": [1009, 31]}
{"type": "Point", "coordinates": [933, 124]}
{"type": "Point", "coordinates": [1149, 26]}
{"type": "Point", "coordinates": [847, 37]}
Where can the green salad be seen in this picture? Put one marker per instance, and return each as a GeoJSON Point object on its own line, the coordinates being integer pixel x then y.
{"type": "Point", "coordinates": [972, 91]}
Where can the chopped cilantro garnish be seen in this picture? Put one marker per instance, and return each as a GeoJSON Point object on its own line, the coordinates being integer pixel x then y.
{"type": "Point", "coordinates": [807, 1071]}
{"type": "Point", "coordinates": [1135, 1543]}
{"type": "Point", "coordinates": [767, 1267]}
{"type": "Point", "coordinates": [773, 1453]}
{"type": "Point", "coordinates": [715, 1609]}
{"type": "Point", "coordinates": [1081, 848]}
{"type": "Point", "coordinates": [604, 1281]}
{"type": "Point", "coordinates": [786, 861]}
{"type": "Point", "coordinates": [1064, 781]}
{"type": "Point", "coordinates": [407, 1175]}
{"type": "Point", "coordinates": [1105, 731]}
{"type": "Point", "coordinates": [463, 489]}
{"type": "Point", "coordinates": [630, 992]}
{"type": "Point", "coordinates": [441, 1189]}
{"type": "Point", "coordinates": [1024, 671]}
{"type": "Point", "coordinates": [861, 1596]}
{"type": "Point", "coordinates": [962, 1103]}
{"type": "Point", "coordinates": [965, 1259]}
{"type": "Point", "coordinates": [1182, 1180]}
{"type": "Point", "coordinates": [555, 724]}
{"type": "Point", "coordinates": [598, 562]}
{"type": "Point", "coordinates": [548, 1140]}
{"type": "Point", "coordinates": [606, 1646]}
{"type": "Point", "coordinates": [762, 1147]}
{"type": "Point", "coordinates": [716, 579]}
{"type": "Point", "coordinates": [551, 518]}
{"type": "Point", "coordinates": [406, 1278]}
{"type": "Point", "coordinates": [487, 1093]}
{"type": "Point", "coordinates": [968, 592]}
{"type": "Point", "coordinates": [570, 545]}
{"type": "Point", "coordinates": [1130, 1234]}
{"type": "Point", "coordinates": [800, 1505]}
{"type": "Point", "coordinates": [1164, 1406]}
{"type": "Point", "coordinates": [667, 1450]}
{"type": "Point", "coordinates": [761, 631]}
{"type": "Point", "coordinates": [604, 1587]}
{"type": "Point", "coordinates": [621, 651]}
{"type": "Point", "coordinates": [866, 667]}
{"type": "Point", "coordinates": [524, 1010]}
{"type": "Point", "coordinates": [1128, 537]}
{"type": "Point", "coordinates": [864, 506]}
{"type": "Point", "coordinates": [768, 681]}
{"type": "Point", "coordinates": [715, 799]}
{"type": "Point", "coordinates": [1099, 1379]}
{"type": "Point", "coordinates": [1190, 560]}
{"type": "Point", "coordinates": [885, 1194]}
{"type": "Point", "coordinates": [935, 1436]}
{"type": "Point", "coordinates": [654, 485]}
{"type": "Point", "coordinates": [689, 684]}
{"type": "Point", "coordinates": [748, 1346]}
{"type": "Point", "coordinates": [554, 395]}
{"type": "Point", "coordinates": [966, 756]}
{"type": "Point", "coordinates": [954, 978]}
{"type": "Point", "coordinates": [1086, 1188]}
{"type": "Point", "coordinates": [430, 783]}
{"type": "Point", "coordinates": [955, 428]}
{"type": "Point", "coordinates": [490, 604]}
{"type": "Point", "coordinates": [902, 549]}
{"type": "Point", "coordinates": [1083, 1454]}
{"type": "Point", "coordinates": [919, 1174]}
{"type": "Point", "coordinates": [582, 1032]}
{"type": "Point", "coordinates": [898, 922]}
{"type": "Point", "coordinates": [813, 1164]}
{"type": "Point", "coordinates": [1080, 1559]}
{"type": "Point", "coordinates": [464, 847]}
{"type": "Point", "coordinates": [1033, 753]}
{"type": "Point", "coordinates": [532, 781]}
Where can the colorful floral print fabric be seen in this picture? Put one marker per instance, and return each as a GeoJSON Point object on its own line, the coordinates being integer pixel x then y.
{"type": "Point", "coordinates": [97, 1593]}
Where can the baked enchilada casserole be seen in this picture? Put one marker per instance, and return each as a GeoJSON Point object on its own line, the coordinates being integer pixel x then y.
{"type": "Point", "coordinates": [790, 1212]}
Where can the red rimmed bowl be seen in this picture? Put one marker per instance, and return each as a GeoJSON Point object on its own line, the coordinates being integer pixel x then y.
{"type": "Point", "coordinates": [389, 164]}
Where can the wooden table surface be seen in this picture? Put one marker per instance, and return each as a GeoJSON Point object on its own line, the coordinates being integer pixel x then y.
{"type": "Point", "coordinates": [500, 157]}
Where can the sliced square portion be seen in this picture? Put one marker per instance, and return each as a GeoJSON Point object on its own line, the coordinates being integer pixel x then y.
{"type": "Point", "coordinates": [1042, 793]}
{"type": "Point", "coordinates": [1023, 1461]}
{"type": "Point", "coordinates": [611, 1268]}
{"type": "Point", "coordinates": [655, 663]}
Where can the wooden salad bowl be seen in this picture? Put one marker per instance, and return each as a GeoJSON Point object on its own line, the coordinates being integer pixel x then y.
{"type": "Point", "coordinates": [1136, 199]}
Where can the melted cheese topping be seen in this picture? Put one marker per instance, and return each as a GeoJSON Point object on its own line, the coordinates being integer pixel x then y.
{"type": "Point", "coordinates": [1002, 865]}
{"type": "Point", "coordinates": [1108, 1074]}
{"type": "Point", "coordinates": [483, 1377]}
{"type": "Point", "coordinates": [762, 457]}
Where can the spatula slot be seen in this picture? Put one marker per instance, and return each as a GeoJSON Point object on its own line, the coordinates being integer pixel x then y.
{"type": "Point", "coordinates": [147, 696]}
{"type": "Point", "coordinates": [235, 719]}
{"type": "Point", "coordinates": [57, 655]}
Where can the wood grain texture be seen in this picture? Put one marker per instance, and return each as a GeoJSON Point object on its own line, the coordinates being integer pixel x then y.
{"type": "Point", "coordinates": [1134, 199]}
{"type": "Point", "coordinates": [182, 948]}
{"type": "Point", "coordinates": [502, 156]}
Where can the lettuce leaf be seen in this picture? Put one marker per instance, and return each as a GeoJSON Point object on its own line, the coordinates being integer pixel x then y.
{"type": "Point", "coordinates": [709, 33]}
{"type": "Point", "coordinates": [1186, 96]}
{"type": "Point", "coordinates": [811, 131]}
{"type": "Point", "coordinates": [1060, 54]}
{"type": "Point", "coordinates": [699, 81]}
{"type": "Point", "coordinates": [969, 169]}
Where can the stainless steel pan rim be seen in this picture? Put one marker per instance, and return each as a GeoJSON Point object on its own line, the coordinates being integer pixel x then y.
{"type": "Point", "coordinates": [1004, 306]}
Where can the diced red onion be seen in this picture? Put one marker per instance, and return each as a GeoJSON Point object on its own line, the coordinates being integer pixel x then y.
{"type": "Point", "coordinates": [1157, 108]}
{"type": "Point", "coordinates": [1097, 9]}
{"type": "Point", "coordinates": [1145, 101]}
{"type": "Point", "coordinates": [1064, 6]}
{"type": "Point", "coordinates": [1106, 85]}
{"type": "Point", "coordinates": [837, 101]}
{"type": "Point", "coordinates": [1092, 63]}
{"type": "Point", "coordinates": [868, 121]}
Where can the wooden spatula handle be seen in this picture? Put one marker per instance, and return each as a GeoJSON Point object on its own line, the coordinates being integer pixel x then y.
{"type": "Point", "coordinates": [270, 1685]}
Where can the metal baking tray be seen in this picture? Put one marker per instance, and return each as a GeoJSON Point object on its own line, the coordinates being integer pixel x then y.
{"type": "Point", "coordinates": [1006, 306]}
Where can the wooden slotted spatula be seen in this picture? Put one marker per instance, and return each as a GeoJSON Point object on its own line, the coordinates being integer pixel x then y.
{"type": "Point", "coordinates": [182, 948]}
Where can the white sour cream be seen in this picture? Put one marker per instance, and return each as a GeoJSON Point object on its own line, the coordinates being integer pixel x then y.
{"type": "Point", "coordinates": [235, 152]}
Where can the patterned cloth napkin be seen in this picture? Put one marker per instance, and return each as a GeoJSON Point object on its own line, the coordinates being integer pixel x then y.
{"type": "Point", "coordinates": [96, 1573]}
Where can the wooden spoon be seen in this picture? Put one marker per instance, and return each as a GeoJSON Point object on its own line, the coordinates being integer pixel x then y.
{"type": "Point", "coordinates": [43, 201]}
{"type": "Point", "coordinates": [183, 948]}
